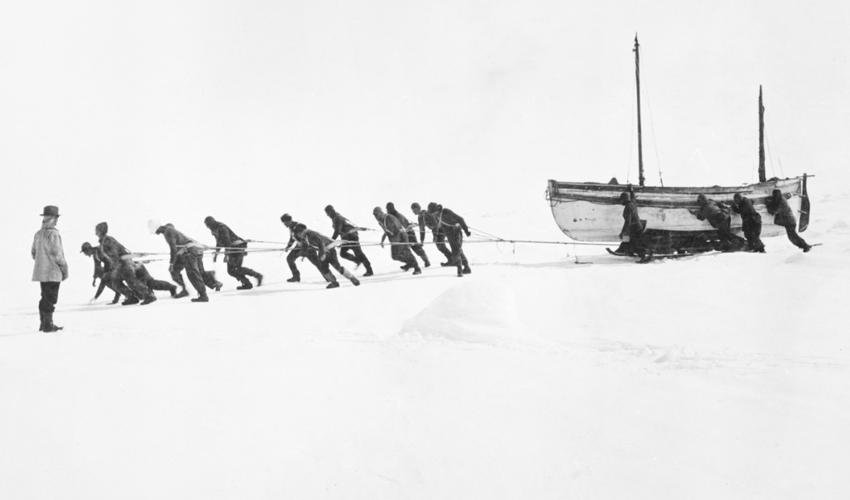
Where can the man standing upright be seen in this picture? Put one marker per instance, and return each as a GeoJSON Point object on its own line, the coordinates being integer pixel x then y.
{"type": "Point", "coordinates": [234, 252]}
{"type": "Point", "coordinates": [50, 268]}
{"type": "Point", "coordinates": [411, 234]}
{"type": "Point", "coordinates": [750, 222]}
{"type": "Point", "coordinates": [347, 232]}
{"type": "Point", "coordinates": [454, 227]}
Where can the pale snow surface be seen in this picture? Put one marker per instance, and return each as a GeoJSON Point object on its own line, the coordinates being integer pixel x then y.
{"type": "Point", "coordinates": [549, 372]}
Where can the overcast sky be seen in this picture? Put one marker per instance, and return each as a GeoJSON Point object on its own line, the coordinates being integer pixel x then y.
{"type": "Point", "coordinates": [177, 110]}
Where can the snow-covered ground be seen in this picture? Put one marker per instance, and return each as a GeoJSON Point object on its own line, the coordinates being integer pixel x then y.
{"type": "Point", "coordinates": [550, 372]}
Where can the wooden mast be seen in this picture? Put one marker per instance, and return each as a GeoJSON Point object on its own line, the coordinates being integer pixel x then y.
{"type": "Point", "coordinates": [762, 175]}
{"type": "Point", "coordinates": [637, 78]}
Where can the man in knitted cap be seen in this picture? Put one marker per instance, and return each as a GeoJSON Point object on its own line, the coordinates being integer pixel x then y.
{"type": "Point", "coordinates": [426, 220]}
{"type": "Point", "coordinates": [400, 249]}
{"type": "Point", "coordinates": [234, 253]}
{"type": "Point", "coordinates": [454, 226]}
{"type": "Point", "coordinates": [411, 234]}
{"type": "Point", "coordinates": [348, 233]}
{"type": "Point", "coordinates": [120, 260]}
{"type": "Point", "coordinates": [50, 268]}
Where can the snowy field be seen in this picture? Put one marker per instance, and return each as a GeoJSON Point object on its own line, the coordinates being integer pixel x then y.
{"type": "Point", "coordinates": [550, 372]}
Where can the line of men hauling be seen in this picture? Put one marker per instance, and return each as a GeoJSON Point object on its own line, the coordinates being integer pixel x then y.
{"type": "Point", "coordinates": [717, 214]}
{"type": "Point", "coordinates": [115, 267]}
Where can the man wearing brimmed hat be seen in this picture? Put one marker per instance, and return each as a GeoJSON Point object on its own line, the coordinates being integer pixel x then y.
{"type": "Point", "coordinates": [50, 266]}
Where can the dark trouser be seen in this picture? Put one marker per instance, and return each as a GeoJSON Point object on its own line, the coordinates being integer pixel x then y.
{"type": "Point", "coordinates": [416, 246]}
{"type": "Point", "coordinates": [752, 231]}
{"type": "Point", "coordinates": [194, 266]}
{"type": "Point", "coordinates": [49, 296]}
{"type": "Point", "coordinates": [235, 269]}
{"type": "Point", "coordinates": [728, 241]}
{"type": "Point", "coordinates": [350, 250]}
{"type": "Point", "coordinates": [292, 256]}
{"type": "Point", "coordinates": [458, 258]}
{"type": "Point", "coordinates": [440, 240]}
{"type": "Point", "coordinates": [145, 277]}
{"type": "Point", "coordinates": [331, 260]}
{"type": "Point", "coordinates": [794, 237]}
{"type": "Point", "coordinates": [126, 271]}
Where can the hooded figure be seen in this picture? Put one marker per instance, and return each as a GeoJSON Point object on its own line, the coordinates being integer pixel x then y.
{"type": "Point", "coordinates": [234, 253]}
{"type": "Point", "coordinates": [350, 248]}
{"type": "Point", "coordinates": [784, 216]}
{"type": "Point", "coordinates": [50, 268]}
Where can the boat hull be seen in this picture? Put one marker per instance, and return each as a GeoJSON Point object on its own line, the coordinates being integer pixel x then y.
{"type": "Point", "coordinates": [592, 212]}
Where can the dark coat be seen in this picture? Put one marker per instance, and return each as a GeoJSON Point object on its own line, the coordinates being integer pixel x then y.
{"type": "Point", "coordinates": [449, 221]}
{"type": "Point", "coordinates": [631, 219]}
{"type": "Point", "coordinates": [226, 238]}
{"type": "Point", "coordinates": [713, 212]}
{"type": "Point", "coordinates": [782, 213]}
{"type": "Point", "coordinates": [316, 241]}
{"type": "Point", "coordinates": [393, 229]}
{"type": "Point", "coordinates": [747, 211]}
{"type": "Point", "coordinates": [179, 243]}
{"type": "Point", "coordinates": [427, 220]}
{"type": "Point", "coordinates": [342, 226]}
